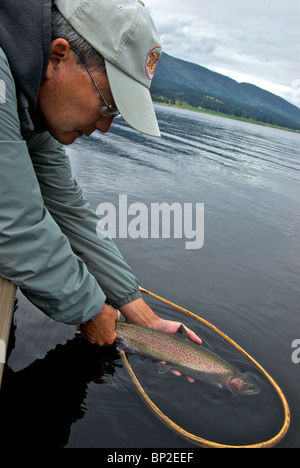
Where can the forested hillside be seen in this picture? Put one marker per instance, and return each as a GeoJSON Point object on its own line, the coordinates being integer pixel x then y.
{"type": "Point", "coordinates": [179, 82]}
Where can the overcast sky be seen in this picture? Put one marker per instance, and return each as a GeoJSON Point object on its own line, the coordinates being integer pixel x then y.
{"type": "Point", "coordinates": [251, 41]}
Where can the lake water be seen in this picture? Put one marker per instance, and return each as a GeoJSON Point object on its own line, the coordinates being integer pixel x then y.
{"type": "Point", "coordinates": [62, 392]}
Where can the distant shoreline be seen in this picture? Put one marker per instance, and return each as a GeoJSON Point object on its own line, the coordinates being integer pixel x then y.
{"type": "Point", "coordinates": [226, 116]}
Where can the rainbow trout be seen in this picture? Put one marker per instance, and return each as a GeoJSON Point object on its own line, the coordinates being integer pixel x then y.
{"type": "Point", "coordinates": [182, 354]}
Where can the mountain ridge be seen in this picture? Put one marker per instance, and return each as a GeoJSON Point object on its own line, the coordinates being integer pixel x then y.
{"type": "Point", "coordinates": [177, 81]}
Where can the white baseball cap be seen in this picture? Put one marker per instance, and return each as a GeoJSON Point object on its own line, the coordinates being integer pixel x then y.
{"type": "Point", "coordinates": [123, 32]}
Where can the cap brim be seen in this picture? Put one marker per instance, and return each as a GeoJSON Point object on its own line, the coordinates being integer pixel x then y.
{"type": "Point", "coordinates": [133, 100]}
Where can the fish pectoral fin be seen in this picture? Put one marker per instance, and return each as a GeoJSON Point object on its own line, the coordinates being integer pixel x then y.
{"type": "Point", "coordinates": [163, 368]}
{"type": "Point", "coordinates": [182, 332]}
{"type": "Point", "coordinates": [120, 344]}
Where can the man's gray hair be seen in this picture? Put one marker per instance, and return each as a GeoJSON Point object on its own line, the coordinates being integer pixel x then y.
{"type": "Point", "coordinates": [60, 27]}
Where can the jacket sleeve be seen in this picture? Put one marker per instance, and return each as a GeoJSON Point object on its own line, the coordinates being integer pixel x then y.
{"type": "Point", "coordinates": [64, 200]}
{"type": "Point", "coordinates": [34, 253]}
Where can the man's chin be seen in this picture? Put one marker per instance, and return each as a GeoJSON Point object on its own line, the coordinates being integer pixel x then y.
{"type": "Point", "coordinates": [66, 138]}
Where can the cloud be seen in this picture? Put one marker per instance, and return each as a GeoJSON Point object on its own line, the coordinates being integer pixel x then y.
{"type": "Point", "coordinates": [249, 40]}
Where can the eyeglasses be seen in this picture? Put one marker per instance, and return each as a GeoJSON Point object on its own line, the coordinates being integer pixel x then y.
{"type": "Point", "coordinates": [108, 110]}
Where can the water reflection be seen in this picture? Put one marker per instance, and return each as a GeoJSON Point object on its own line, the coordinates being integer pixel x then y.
{"type": "Point", "coordinates": [40, 403]}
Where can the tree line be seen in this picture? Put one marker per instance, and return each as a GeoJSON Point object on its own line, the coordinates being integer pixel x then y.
{"type": "Point", "coordinates": [200, 100]}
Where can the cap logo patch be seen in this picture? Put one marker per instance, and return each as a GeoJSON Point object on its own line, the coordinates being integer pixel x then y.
{"type": "Point", "coordinates": [151, 61]}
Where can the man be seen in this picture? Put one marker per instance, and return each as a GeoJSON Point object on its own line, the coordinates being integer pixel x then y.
{"type": "Point", "coordinates": [67, 68]}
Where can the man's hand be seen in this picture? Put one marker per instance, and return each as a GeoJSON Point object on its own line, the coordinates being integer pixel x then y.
{"type": "Point", "coordinates": [139, 312]}
{"type": "Point", "coordinates": [171, 327]}
{"type": "Point", "coordinates": [101, 330]}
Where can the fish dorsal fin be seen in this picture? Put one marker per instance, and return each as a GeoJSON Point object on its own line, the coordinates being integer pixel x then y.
{"type": "Point", "coordinates": [182, 332]}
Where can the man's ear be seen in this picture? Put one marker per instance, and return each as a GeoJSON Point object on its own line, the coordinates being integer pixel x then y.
{"type": "Point", "coordinates": [60, 52]}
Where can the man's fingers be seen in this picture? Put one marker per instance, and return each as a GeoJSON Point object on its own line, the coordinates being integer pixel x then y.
{"type": "Point", "coordinates": [190, 379]}
{"type": "Point", "coordinates": [193, 336]}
